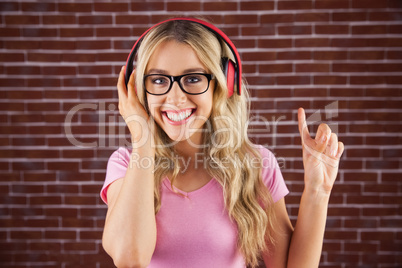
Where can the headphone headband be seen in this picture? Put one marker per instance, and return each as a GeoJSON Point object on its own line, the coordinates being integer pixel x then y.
{"type": "Point", "coordinates": [208, 26]}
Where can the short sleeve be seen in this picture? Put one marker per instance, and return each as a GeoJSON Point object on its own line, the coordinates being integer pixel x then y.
{"type": "Point", "coordinates": [272, 175]}
{"type": "Point", "coordinates": [116, 169]}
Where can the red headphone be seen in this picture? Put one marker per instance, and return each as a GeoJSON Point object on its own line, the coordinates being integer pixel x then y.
{"type": "Point", "coordinates": [232, 70]}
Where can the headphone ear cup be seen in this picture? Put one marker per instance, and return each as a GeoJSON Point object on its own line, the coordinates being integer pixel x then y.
{"type": "Point", "coordinates": [229, 70]}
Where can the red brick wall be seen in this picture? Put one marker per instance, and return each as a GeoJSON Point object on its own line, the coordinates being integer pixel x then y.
{"type": "Point", "coordinates": [341, 60]}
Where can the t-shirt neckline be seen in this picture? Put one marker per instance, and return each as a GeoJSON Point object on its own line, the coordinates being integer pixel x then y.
{"type": "Point", "coordinates": [167, 183]}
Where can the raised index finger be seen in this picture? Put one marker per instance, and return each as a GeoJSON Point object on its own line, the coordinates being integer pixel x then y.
{"type": "Point", "coordinates": [303, 129]}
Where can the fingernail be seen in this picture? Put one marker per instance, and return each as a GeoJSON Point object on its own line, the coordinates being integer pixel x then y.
{"type": "Point", "coordinates": [333, 152]}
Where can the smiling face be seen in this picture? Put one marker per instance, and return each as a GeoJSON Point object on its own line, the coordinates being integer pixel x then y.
{"type": "Point", "coordinates": [180, 115]}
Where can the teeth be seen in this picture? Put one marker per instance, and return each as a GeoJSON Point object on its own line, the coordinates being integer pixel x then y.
{"type": "Point", "coordinates": [178, 116]}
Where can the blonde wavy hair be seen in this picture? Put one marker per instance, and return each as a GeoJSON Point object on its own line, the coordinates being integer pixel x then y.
{"type": "Point", "coordinates": [231, 156]}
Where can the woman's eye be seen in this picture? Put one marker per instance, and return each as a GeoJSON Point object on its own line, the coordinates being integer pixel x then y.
{"type": "Point", "coordinates": [193, 79]}
{"type": "Point", "coordinates": [159, 81]}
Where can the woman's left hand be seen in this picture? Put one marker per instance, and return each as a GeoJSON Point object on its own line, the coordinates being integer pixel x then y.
{"type": "Point", "coordinates": [320, 156]}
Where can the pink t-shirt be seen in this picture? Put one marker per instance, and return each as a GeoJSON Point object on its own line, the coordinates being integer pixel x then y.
{"type": "Point", "coordinates": [195, 230]}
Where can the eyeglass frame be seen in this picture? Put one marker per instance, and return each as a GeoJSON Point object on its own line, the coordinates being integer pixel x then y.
{"type": "Point", "coordinates": [177, 79]}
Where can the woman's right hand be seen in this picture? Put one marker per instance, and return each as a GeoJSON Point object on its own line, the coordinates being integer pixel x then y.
{"type": "Point", "coordinates": [132, 111]}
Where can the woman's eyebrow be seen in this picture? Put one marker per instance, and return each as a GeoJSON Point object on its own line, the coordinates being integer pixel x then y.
{"type": "Point", "coordinates": [186, 71]}
{"type": "Point", "coordinates": [194, 70]}
{"type": "Point", "coordinates": [157, 71]}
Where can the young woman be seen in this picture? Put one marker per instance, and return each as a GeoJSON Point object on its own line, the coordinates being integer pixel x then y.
{"type": "Point", "coordinates": [194, 191]}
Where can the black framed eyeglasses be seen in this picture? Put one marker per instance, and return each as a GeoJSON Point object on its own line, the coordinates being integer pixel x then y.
{"type": "Point", "coordinates": [193, 83]}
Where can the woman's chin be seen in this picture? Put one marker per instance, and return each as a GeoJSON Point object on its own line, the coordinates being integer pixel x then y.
{"type": "Point", "coordinates": [189, 138]}
{"type": "Point", "coordinates": [178, 137]}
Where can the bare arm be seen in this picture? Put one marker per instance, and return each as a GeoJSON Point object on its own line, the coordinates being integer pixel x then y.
{"type": "Point", "coordinates": [129, 235]}
{"type": "Point", "coordinates": [301, 246]}
{"type": "Point", "coordinates": [307, 239]}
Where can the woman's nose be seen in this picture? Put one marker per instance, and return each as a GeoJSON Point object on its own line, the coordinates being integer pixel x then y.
{"type": "Point", "coordinates": [176, 96]}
